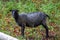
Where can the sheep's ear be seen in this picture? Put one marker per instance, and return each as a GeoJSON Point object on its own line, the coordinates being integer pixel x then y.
{"type": "Point", "coordinates": [17, 10]}
{"type": "Point", "coordinates": [10, 10]}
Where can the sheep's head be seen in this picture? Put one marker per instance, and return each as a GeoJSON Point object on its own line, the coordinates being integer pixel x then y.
{"type": "Point", "coordinates": [14, 12]}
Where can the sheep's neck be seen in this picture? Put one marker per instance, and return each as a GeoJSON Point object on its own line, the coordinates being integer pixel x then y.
{"type": "Point", "coordinates": [16, 16]}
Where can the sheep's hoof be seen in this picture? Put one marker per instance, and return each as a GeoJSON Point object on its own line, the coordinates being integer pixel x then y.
{"type": "Point", "coordinates": [47, 36]}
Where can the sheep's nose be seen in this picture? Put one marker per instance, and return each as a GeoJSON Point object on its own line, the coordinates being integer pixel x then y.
{"type": "Point", "coordinates": [13, 12]}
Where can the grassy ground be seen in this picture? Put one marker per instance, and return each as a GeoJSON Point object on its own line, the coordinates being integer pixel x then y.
{"type": "Point", "coordinates": [8, 25]}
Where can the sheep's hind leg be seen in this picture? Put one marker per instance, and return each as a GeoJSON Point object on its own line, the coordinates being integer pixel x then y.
{"type": "Point", "coordinates": [46, 27]}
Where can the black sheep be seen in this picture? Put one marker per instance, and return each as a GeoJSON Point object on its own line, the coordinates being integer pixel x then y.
{"type": "Point", "coordinates": [33, 19]}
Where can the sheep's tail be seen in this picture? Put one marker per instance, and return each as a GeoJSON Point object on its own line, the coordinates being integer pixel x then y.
{"type": "Point", "coordinates": [47, 16]}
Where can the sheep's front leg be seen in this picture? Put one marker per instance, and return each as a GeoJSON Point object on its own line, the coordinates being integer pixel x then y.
{"type": "Point", "coordinates": [22, 30]}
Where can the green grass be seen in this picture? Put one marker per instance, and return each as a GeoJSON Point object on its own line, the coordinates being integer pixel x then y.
{"type": "Point", "coordinates": [7, 23]}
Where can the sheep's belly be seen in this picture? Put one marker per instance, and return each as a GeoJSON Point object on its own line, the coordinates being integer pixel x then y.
{"type": "Point", "coordinates": [33, 25]}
